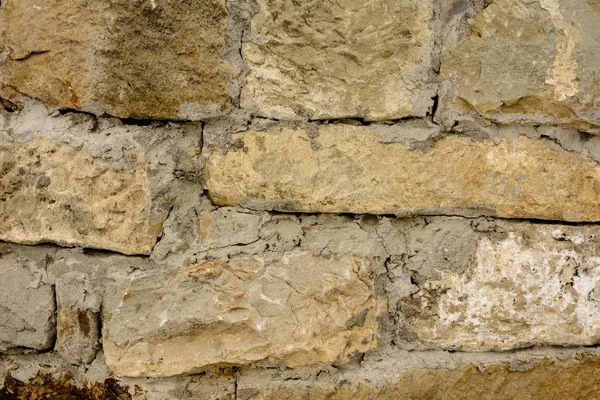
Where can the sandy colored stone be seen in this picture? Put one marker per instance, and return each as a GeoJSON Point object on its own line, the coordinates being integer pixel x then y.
{"type": "Point", "coordinates": [296, 311]}
{"type": "Point", "coordinates": [26, 304]}
{"type": "Point", "coordinates": [530, 285]}
{"type": "Point", "coordinates": [352, 169]}
{"type": "Point", "coordinates": [55, 193]}
{"type": "Point", "coordinates": [354, 58]}
{"type": "Point", "coordinates": [532, 62]}
{"type": "Point", "coordinates": [132, 59]}
{"type": "Point", "coordinates": [550, 379]}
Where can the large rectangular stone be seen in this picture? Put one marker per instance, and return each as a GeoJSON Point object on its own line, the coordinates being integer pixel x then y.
{"type": "Point", "coordinates": [353, 58]}
{"type": "Point", "coordinates": [533, 62]}
{"type": "Point", "coordinates": [130, 59]}
{"type": "Point", "coordinates": [342, 168]}
{"type": "Point", "coordinates": [493, 285]}
{"type": "Point", "coordinates": [293, 311]}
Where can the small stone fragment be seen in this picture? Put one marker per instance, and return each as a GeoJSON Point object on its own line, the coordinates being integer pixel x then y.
{"type": "Point", "coordinates": [78, 328]}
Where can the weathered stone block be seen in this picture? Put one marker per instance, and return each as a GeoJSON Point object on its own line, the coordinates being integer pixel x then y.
{"type": "Point", "coordinates": [547, 379]}
{"type": "Point", "coordinates": [133, 59]}
{"type": "Point", "coordinates": [534, 62]}
{"type": "Point", "coordinates": [297, 310]}
{"type": "Point", "coordinates": [500, 286]}
{"type": "Point", "coordinates": [26, 303]}
{"type": "Point", "coordinates": [74, 181]}
{"type": "Point", "coordinates": [55, 193]}
{"type": "Point", "coordinates": [360, 169]}
{"type": "Point", "coordinates": [366, 59]}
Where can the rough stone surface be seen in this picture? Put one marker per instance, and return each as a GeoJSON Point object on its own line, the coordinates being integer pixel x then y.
{"type": "Point", "coordinates": [356, 169]}
{"type": "Point", "coordinates": [78, 329]}
{"type": "Point", "coordinates": [498, 286]}
{"type": "Point", "coordinates": [299, 199]}
{"type": "Point", "coordinates": [355, 58]}
{"type": "Point", "coordinates": [533, 62]}
{"type": "Point", "coordinates": [55, 193]}
{"type": "Point", "coordinates": [135, 59]}
{"type": "Point", "coordinates": [75, 181]}
{"type": "Point", "coordinates": [26, 303]}
{"type": "Point", "coordinates": [549, 379]}
{"type": "Point", "coordinates": [241, 311]}
{"type": "Point", "coordinates": [48, 376]}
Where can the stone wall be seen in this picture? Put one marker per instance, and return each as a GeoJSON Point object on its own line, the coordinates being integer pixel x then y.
{"type": "Point", "coordinates": [285, 199]}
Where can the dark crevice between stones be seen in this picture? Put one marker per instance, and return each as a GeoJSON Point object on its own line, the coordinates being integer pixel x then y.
{"type": "Point", "coordinates": [162, 231]}
{"type": "Point", "coordinates": [8, 105]}
{"type": "Point", "coordinates": [434, 108]}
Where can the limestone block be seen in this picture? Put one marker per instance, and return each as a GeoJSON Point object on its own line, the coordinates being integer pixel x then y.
{"type": "Point", "coordinates": [295, 311]}
{"type": "Point", "coordinates": [55, 193]}
{"type": "Point", "coordinates": [530, 62]}
{"type": "Point", "coordinates": [359, 169]}
{"type": "Point", "coordinates": [355, 58]}
{"type": "Point", "coordinates": [501, 287]}
{"type": "Point", "coordinates": [131, 59]}
{"type": "Point", "coordinates": [77, 181]}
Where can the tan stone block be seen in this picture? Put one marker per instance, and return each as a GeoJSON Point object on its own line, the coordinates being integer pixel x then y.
{"type": "Point", "coordinates": [132, 59]}
{"type": "Point", "coordinates": [295, 311]}
{"type": "Point", "coordinates": [533, 62]}
{"type": "Point", "coordinates": [355, 58]}
{"type": "Point", "coordinates": [548, 379]}
{"type": "Point", "coordinates": [531, 285]}
{"type": "Point", "coordinates": [353, 169]}
{"type": "Point", "coordinates": [52, 192]}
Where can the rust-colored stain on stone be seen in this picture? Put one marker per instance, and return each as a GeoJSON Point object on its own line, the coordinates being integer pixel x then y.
{"type": "Point", "coordinates": [46, 386]}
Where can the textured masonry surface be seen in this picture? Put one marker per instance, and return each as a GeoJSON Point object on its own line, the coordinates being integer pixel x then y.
{"type": "Point", "coordinates": [280, 199]}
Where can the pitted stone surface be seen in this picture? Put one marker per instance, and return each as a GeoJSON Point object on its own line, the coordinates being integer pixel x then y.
{"type": "Point", "coordinates": [510, 286]}
{"type": "Point", "coordinates": [241, 311]}
{"type": "Point", "coordinates": [368, 59]}
{"type": "Point", "coordinates": [134, 59]}
{"type": "Point", "coordinates": [51, 192]}
{"type": "Point", "coordinates": [354, 169]}
{"type": "Point", "coordinates": [533, 62]}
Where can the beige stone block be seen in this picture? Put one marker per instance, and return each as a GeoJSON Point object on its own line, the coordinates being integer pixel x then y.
{"type": "Point", "coordinates": [130, 59]}
{"type": "Point", "coordinates": [294, 311]}
{"type": "Point", "coordinates": [357, 169]}
{"type": "Point", "coordinates": [547, 379]}
{"type": "Point", "coordinates": [531, 285]}
{"type": "Point", "coordinates": [354, 58]}
{"type": "Point", "coordinates": [530, 62]}
{"type": "Point", "coordinates": [52, 192]}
